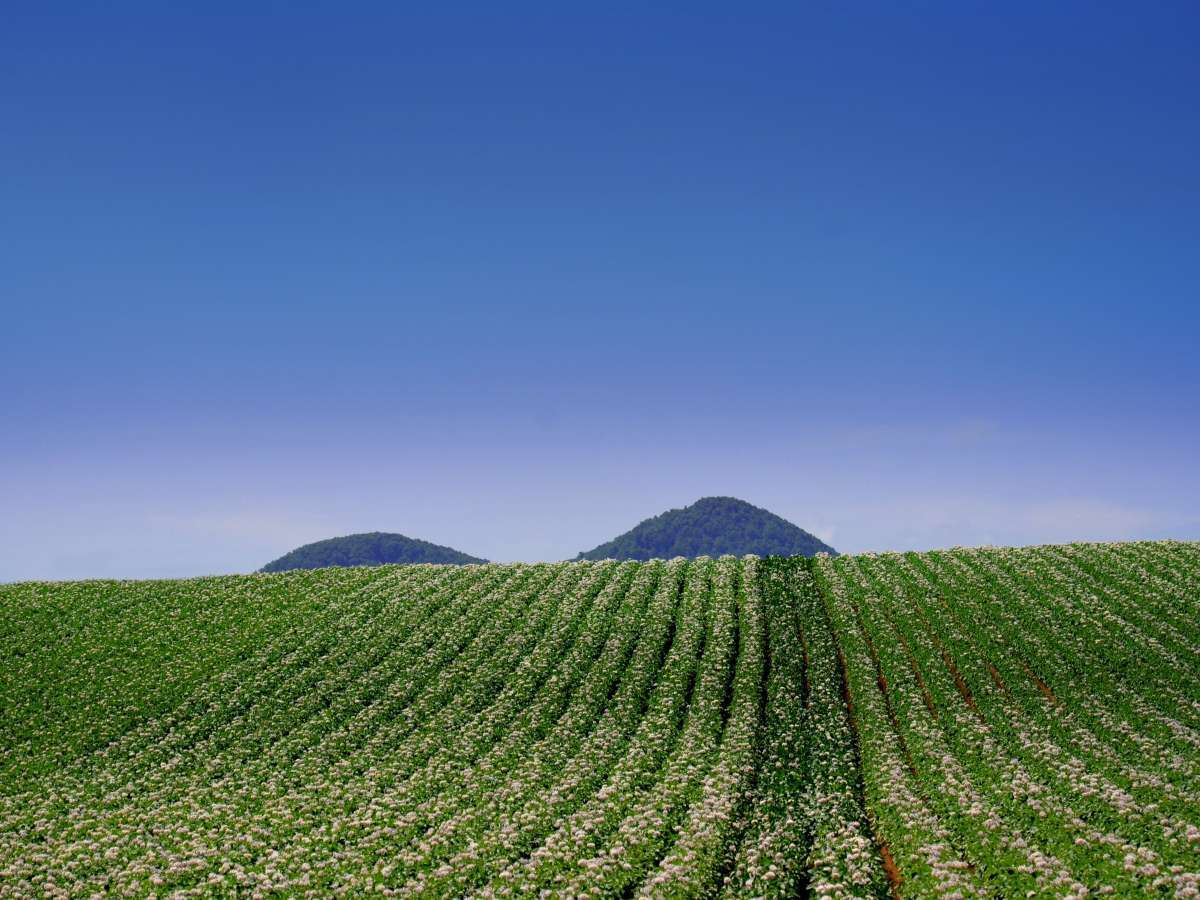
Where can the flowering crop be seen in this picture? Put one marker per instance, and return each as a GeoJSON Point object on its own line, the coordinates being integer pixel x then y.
{"type": "Point", "coordinates": [1038, 711]}
{"type": "Point", "coordinates": [964, 722]}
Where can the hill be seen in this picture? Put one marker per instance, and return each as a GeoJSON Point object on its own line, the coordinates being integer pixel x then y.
{"type": "Point", "coordinates": [375, 548]}
{"type": "Point", "coordinates": [711, 526]}
{"type": "Point", "coordinates": [968, 722]}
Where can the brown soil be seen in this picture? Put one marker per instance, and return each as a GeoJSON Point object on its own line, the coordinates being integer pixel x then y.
{"type": "Point", "coordinates": [998, 681]}
{"type": "Point", "coordinates": [1047, 691]}
{"type": "Point", "coordinates": [959, 682]}
{"type": "Point", "coordinates": [846, 689]}
{"type": "Point", "coordinates": [916, 670]}
{"type": "Point", "coordinates": [895, 879]}
{"type": "Point", "coordinates": [882, 684]}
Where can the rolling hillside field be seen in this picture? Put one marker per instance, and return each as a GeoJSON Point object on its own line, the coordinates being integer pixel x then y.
{"type": "Point", "coordinates": [989, 722]}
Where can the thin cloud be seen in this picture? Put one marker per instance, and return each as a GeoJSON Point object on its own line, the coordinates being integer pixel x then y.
{"type": "Point", "coordinates": [1077, 517]}
{"type": "Point", "coordinates": [959, 434]}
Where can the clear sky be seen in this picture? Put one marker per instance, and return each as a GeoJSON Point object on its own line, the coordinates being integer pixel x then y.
{"type": "Point", "coordinates": [514, 277]}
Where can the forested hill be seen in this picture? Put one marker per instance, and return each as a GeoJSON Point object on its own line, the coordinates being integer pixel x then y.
{"type": "Point", "coordinates": [712, 526]}
{"type": "Point", "coordinates": [376, 548]}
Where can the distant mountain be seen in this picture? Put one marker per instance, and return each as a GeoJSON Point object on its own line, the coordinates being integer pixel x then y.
{"type": "Point", "coordinates": [374, 549]}
{"type": "Point", "coordinates": [710, 527]}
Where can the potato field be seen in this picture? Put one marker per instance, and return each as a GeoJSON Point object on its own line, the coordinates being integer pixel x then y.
{"type": "Point", "coordinates": [991, 722]}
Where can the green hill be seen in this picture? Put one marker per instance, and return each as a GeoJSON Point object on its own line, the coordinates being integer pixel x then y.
{"type": "Point", "coordinates": [375, 548]}
{"type": "Point", "coordinates": [969, 722]}
{"type": "Point", "coordinates": [711, 526]}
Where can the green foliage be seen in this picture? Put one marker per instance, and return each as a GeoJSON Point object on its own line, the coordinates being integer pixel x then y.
{"type": "Point", "coordinates": [375, 548]}
{"type": "Point", "coordinates": [712, 526]}
{"type": "Point", "coordinates": [1029, 718]}
{"type": "Point", "coordinates": [959, 723]}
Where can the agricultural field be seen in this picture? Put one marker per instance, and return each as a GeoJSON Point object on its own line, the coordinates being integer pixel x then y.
{"type": "Point", "coordinates": [956, 723]}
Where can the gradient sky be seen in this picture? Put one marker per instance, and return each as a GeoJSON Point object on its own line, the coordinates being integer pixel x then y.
{"type": "Point", "coordinates": [513, 278]}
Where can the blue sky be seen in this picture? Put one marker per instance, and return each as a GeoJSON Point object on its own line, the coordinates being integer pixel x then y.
{"type": "Point", "coordinates": [513, 277]}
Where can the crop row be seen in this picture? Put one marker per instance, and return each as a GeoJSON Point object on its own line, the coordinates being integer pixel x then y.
{"type": "Point", "coordinates": [957, 723]}
{"type": "Point", "coordinates": [1030, 715]}
{"type": "Point", "coordinates": [585, 729]}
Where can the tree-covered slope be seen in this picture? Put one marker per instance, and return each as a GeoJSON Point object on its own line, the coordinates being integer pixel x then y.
{"type": "Point", "coordinates": [375, 548]}
{"type": "Point", "coordinates": [710, 527]}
